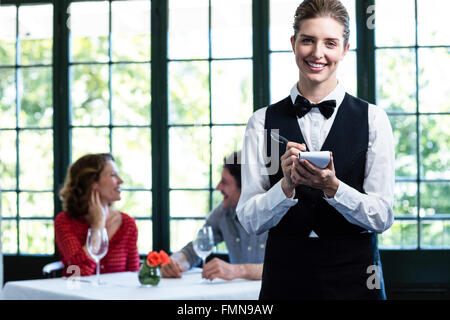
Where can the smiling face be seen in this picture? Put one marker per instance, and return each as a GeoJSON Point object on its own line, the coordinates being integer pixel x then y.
{"type": "Point", "coordinates": [229, 189]}
{"type": "Point", "coordinates": [319, 47]}
{"type": "Point", "coordinates": [109, 183]}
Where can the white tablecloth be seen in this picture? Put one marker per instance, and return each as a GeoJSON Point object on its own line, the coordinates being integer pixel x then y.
{"type": "Point", "coordinates": [125, 286]}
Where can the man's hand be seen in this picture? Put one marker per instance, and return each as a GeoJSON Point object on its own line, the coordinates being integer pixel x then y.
{"type": "Point", "coordinates": [306, 173]}
{"type": "Point", "coordinates": [171, 270]}
{"type": "Point", "coordinates": [217, 268]}
{"type": "Point", "coordinates": [288, 161]}
{"type": "Point", "coordinates": [177, 265]}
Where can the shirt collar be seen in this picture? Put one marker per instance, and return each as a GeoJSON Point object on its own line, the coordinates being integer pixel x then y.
{"type": "Point", "coordinates": [337, 94]}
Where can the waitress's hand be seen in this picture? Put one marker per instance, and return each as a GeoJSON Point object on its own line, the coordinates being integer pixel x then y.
{"type": "Point", "coordinates": [288, 159]}
{"type": "Point", "coordinates": [97, 211]}
{"type": "Point", "coordinates": [306, 173]}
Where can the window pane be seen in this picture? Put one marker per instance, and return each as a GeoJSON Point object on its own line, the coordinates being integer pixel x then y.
{"type": "Point", "coordinates": [36, 34]}
{"type": "Point", "coordinates": [36, 159]}
{"type": "Point", "coordinates": [9, 204]}
{"type": "Point", "coordinates": [405, 202]}
{"type": "Point", "coordinates": [346, 73]}
{"type": "Point", "coordinates": [433, 22]}
{"type": "Point", "coordinates": [188, 29]}
{"type": "Point", "coordinates": [8, 166]}
{"type": "Point", "coordinates": [90, 95]}
{"type": "Point", "coordinates": [231, 22]}
{"type": "Point", "coordinates": [351, 9]}
{"type": "Point", "coordinates": [402, 235]}
{"type": "Point", "coordinates": [232, 98]}
{"type": "Point", "coordinates": [189, 203]}
{"type": "Point", "coordinates": [225, 140]}
{"type": "Point", "coordinates": [283, 75]}
{"type": "Point", "coordinates": [131, 30]}
{"type": "Point", "coordinates": [7, 35]}
{"type": "Point", "coordinates": [281, 20]}
{"type": "Point", "coordinates": [395, 23]}
{"type": "Point", "coordinates": [435, 234]}
{"type": "Point", "coordinates": [36, 109]}
{"type": "Point", "coordinates": [396, 80]}
{"type": "Point", "coordinates": [405, 141]}
{"type": "Point", "coordinates": [37, 237]}
{"type": "Point", "coordinates": [136, 203]}
{"type": "Point", "coordinates": [435, 147]}
{"type": "Point", "coordinates": [9, 236]}
{"type": "Point", "coordinates": [144, 236]}
{"type": "Point", "coordinates": [189, 157]}
{"type": "Point", "coordinates": [434, 66]}
{"type": "Point", "coordinates": [131, 94]}
{"type": "Point", "coordinates": [182, 232]}
{"type": "Point", "coordinates": [132, 151]}
{"type": "Point", "coordinates": [434, 198]}
{"type": "Point", "coordinates": [89, 24]}
{"type": "Point", "coordinates": [7, 97]}
{"type": "Point", "coordinates": [89, 140]}
{"type": "Point", "coordinates": [188, 92]}
{"type": "Point", "coordinates": [36, 204]}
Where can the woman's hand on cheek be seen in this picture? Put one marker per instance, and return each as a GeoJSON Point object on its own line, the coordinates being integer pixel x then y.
{"type": "Point", "coordinates": [97, 211]}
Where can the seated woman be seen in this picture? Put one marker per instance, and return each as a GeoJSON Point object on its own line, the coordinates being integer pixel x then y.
{"type": "Point", "coordinates": [92, 185]}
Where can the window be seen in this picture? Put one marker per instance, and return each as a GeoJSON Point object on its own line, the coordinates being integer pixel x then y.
{"type": "Point", "coordinates": [110, 97]}
{"type": "Point", "coordinates": [26, 128]}
{"type": "Point", "coordinates": [210, 101]}
{"type": "Point", "coordinates": [412, 70]}
{"type": "Point", "coordinates": [210, 66]}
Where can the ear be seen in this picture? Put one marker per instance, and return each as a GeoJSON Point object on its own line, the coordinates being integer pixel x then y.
{"type": "Point", "coordinates": [293, 43]}
{"type": "Point", "coordinates": [94, 186]}
{"type": "Point", "coordinates": [347, 47]}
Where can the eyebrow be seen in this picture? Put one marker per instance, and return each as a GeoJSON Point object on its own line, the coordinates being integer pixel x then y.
{"type": "Point", "coordinates": [308, 36]}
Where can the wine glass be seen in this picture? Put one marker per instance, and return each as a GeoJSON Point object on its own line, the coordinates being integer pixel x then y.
{"type": "Point", "coordinates": [97, 246]}
{"type": "Point", "coordinates": [204, 243]}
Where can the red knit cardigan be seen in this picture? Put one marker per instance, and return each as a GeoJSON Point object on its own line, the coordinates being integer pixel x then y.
{"type": "Point", "coordinates": [70, 237]}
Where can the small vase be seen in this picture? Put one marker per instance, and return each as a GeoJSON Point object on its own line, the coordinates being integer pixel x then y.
{"type": "Point", "coordinates": [149, 276]}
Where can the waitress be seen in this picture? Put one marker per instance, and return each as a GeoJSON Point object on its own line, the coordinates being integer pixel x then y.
{"type": "Point", "coordinates": [323, 223]}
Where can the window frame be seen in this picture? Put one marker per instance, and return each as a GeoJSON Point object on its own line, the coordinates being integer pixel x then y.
{"type": "Point", "coordinates": [159, 107]}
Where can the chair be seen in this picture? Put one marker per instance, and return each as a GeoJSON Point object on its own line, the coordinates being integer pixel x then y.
{"type": "Point", "coordinates": [51, 270]}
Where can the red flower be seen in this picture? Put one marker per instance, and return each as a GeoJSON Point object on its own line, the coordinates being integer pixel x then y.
{"type": "Point", "coordinates": [164, 257]}
{"type": "Point", "coordinates": [155, 259]}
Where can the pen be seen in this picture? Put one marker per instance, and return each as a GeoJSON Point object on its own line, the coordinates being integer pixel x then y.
{"type": "Point", "coordinates": [278, 138]}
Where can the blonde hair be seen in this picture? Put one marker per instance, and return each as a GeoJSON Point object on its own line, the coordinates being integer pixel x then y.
{"type": "Point", "coordinates": [309, 9]}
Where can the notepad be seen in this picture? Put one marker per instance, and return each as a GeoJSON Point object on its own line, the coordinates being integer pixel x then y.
{"type": "Point", "coordinates": [320, 159]}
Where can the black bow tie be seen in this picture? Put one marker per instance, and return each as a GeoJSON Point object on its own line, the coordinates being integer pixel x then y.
{"type": "Point", "coordinates": [302, 106]}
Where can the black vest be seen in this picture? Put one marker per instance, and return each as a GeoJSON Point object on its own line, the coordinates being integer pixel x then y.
{"type": "Point", "coordinates": [334, 265]}
{"type": "Point", "coordinates": [348, 140]}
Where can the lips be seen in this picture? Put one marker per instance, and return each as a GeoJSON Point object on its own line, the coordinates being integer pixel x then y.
{"type": "Point", "coordinates": [316, 66]}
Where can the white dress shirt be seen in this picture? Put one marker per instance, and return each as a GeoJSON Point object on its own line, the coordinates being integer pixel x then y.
{"type": "Point", "coordinates": [261, 207]}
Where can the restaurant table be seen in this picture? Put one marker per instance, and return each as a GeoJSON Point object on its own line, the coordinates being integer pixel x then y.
{"type": "Point", "coordinates": [126, 286]}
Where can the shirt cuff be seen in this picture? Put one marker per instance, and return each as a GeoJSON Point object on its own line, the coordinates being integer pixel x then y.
{"type": "Point", "coordinates": [339, 193]}
{"type": "Point", "coordinates": [278, 197]}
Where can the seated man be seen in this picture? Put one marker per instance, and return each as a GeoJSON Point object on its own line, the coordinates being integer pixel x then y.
{"type": "Point", "coordinates": [246, 251]}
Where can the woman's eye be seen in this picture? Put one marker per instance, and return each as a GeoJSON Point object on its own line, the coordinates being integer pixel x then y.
{"type": "Point", "coordinates": [306, 41]}
{"type": "Point", "coordinates": [331, 44]}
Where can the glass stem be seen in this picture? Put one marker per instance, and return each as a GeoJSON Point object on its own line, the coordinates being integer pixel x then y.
{"type": "Point", "coordinates": [98, 273]}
